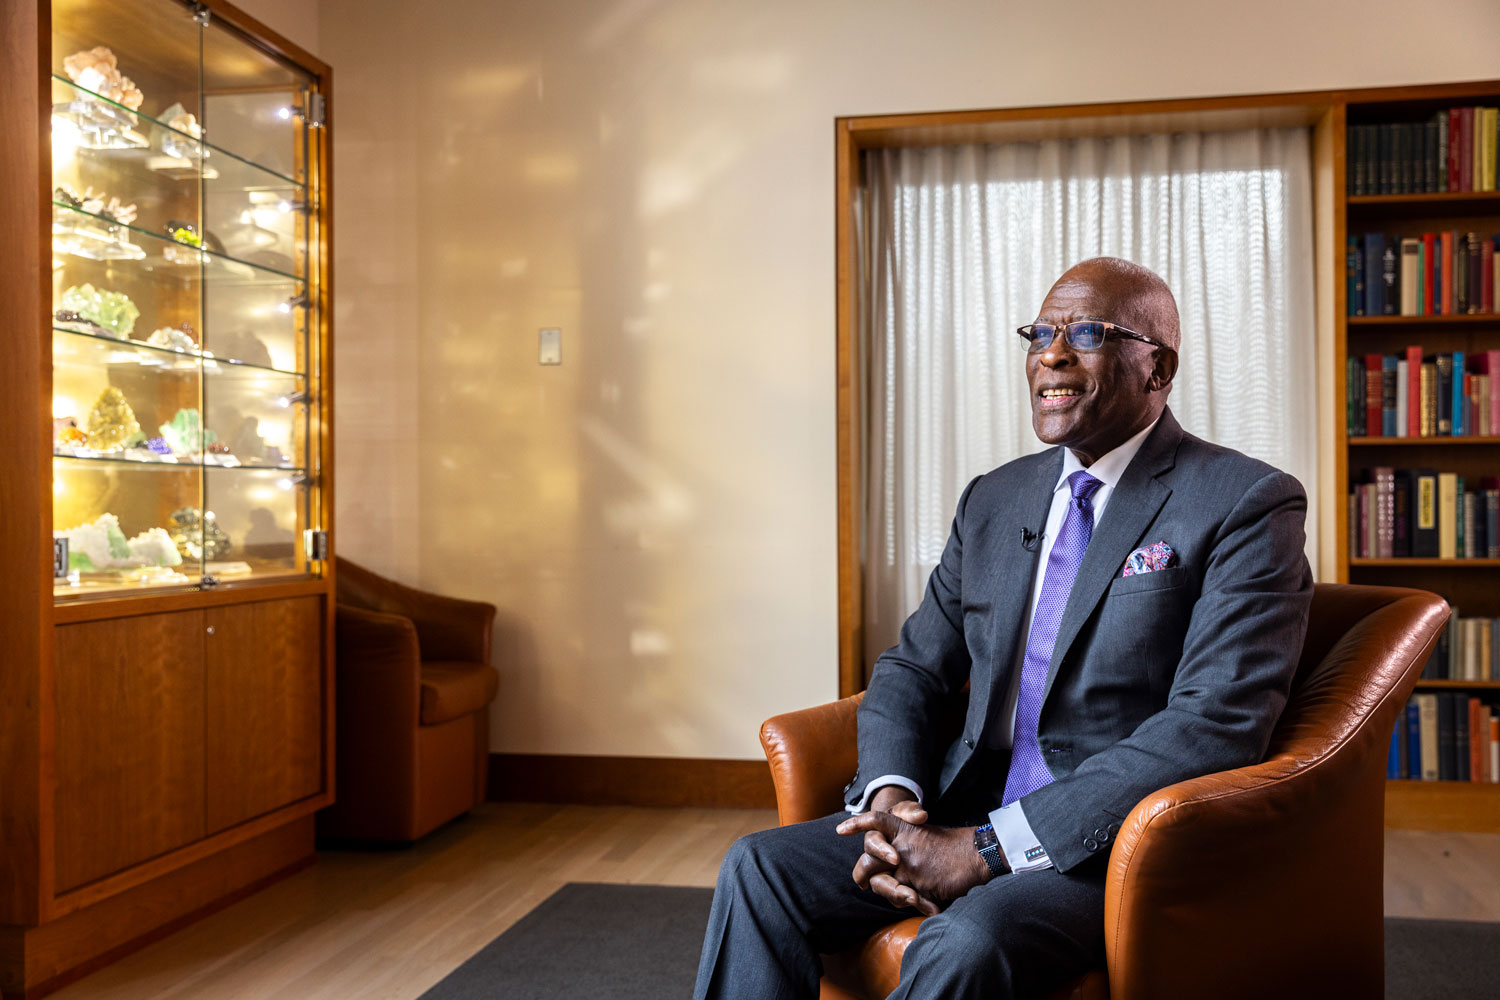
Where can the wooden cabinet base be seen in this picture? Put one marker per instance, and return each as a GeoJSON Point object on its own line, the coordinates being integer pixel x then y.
{"type": "Point", "coordinates": [35, 961]}
{"type": "Point", "coordinates": [1448, 806]}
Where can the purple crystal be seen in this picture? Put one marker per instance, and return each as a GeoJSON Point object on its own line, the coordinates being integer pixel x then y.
{"type": "Point", "coordinates": [160, 446]}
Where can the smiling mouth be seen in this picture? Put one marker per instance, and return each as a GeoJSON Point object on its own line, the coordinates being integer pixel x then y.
{"type": "Point", "coordinates": [1058, 393]}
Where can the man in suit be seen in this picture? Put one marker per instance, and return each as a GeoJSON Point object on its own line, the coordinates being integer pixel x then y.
{"type": "Point", "coordinates": [1127, 610]}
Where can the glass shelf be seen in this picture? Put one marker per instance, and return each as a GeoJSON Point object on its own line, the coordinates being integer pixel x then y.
{"type": "Point", "coordinates": [183, 463]}
{"type": "Point", "coordinates": [80, 347]}
{"type": "Point", "coordinates": [185, 257]}
{"type": "Point", "coordinates": [115, 128]}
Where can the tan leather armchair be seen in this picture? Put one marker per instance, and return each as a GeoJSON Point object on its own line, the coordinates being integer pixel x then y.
{"type": "Point", "coordinates": [414, 689]}
{"type": "Point", "coordinates": [1264, 881]}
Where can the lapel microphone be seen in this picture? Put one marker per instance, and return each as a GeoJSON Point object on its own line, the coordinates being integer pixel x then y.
{"type": "Point", "coordinates": [1030, 540]}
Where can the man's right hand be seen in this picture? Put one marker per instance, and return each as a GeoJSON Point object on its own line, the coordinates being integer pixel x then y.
{"type": "Point", "coordinates": [881, 858]}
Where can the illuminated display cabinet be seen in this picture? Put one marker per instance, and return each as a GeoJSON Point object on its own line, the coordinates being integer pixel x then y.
{"type": "Point", "coordinates": [166, 595]}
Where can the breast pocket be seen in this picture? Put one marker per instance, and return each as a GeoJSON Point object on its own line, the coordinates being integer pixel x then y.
{"type": "Point", "coordinates": [1144, 583]}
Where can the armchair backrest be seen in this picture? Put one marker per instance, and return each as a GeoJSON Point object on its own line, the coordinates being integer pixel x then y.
{"type": "Point", "coordinates": [1267, 880]}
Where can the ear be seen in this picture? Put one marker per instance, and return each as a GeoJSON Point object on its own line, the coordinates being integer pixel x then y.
{"type": "Point", "coordinates": [1163, 369]}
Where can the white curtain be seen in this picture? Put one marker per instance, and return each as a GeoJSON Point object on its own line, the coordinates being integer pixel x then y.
{"type": "Point", "coordinates": [958, 246]}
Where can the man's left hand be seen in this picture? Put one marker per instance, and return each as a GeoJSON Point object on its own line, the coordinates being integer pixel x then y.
{"type": "Point", "coordinates": [938, 863]}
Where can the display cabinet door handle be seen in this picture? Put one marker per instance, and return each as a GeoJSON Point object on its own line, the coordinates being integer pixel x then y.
{"type": "Point", "coordinates": [210, 630]}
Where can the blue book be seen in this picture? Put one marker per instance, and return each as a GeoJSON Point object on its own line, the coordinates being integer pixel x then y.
{"type": "Point", "coordinates": [1388, 390]}
{"type": "Point", "coordinates": [1393, 757]}
{"type": "Point", "coordinates": [1355, 267]}
{"type": "Point", "coordinates": [1413, 739]}
{"type": "Point", "coordinates": [1437, 269]}
{"type": "Point", "coordinates": [1374, 283]}
{"type": "Point", "coordinates": [1460, 398]}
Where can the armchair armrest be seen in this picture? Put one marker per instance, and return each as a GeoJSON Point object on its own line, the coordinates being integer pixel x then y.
{"type": "Point", "coordinates": [448, 628]}
{"type": "Point", "coordinates": [380, 672]}
{"type": "Point", "coordinates": [812, 753]}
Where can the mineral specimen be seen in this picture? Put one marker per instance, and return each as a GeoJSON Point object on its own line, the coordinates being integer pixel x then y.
{"type": "Point", "coordinates": [112, 310]}
{"type": "Point", "coordinates": [174, 338]}
{"type": "Point", "coordinates": [186, 433]}
{"type": "Point", "coordinates": [98, 70]}
{"type": "Point", "coordinates": [111, 422]}
{"type": "Point", "coordinates": [154, 547]}
{"type": "Point", "coordinates": [101, 545]}
{"type": "Point", "coordinates": [197, 534]}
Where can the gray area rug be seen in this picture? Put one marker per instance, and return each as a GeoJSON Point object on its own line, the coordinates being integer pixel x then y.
{"type": "Point", "coordinates": [641, 942]}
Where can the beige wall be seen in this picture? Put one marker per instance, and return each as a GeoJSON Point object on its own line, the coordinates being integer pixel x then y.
{"type": "Point", "coordinates": [655, 518]}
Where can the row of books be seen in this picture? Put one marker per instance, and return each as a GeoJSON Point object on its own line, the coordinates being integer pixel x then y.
{"type": "Point", "coordinates": [1423, 514]}
{"type": "Point", "coordinates": [1446, 737]}
{"type": "Point", "coordinates": [1453, 150]}
{"type": "Point", "coordinates": [1468, 650]}
{"type": "Point", "coordinates": [1422, 395]}
{"type": "Point", "coordinates": [1423, 274]}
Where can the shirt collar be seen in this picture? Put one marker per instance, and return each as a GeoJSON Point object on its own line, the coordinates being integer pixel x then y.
{"type": "Point", "coordinates": [1111, 465]}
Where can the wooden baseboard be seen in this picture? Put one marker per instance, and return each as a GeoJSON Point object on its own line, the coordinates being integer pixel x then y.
{"type": "Point", "coordinates": [631, 781]}
{"type": "Point", "coordinates": [42, 960]}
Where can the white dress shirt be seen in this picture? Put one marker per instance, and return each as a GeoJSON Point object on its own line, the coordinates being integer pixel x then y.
{"type": "Point", "coordinates": [1017, 841]}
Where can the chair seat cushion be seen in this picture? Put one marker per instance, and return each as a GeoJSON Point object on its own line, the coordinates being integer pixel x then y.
{"type": "Point", "coordinates": [452, 689]}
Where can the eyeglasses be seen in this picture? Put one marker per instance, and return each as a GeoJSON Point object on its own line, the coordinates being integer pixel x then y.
{"type": "Point", "coordinates": [1085, 335]}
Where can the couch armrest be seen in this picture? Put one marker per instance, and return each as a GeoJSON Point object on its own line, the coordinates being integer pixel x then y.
{"type": "Point", "coordinates": [449, 628]}
{"type": "Point", "coordinates": [813, 753]}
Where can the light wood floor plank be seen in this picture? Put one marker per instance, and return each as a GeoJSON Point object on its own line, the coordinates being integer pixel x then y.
{"type": "Point", "coordinates": [386, 925]}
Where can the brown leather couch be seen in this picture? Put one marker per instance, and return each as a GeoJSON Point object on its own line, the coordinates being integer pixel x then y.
{"type": "Point", "coordinates": [414, 689]}
{"type": "Point", "coordinates": [1260, 882]}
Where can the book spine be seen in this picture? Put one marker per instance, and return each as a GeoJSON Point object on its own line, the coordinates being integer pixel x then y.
{"type": "Point", "coordinates": [1427, 391]}
{"type": "Point", "coordinates": [1425, 540]}
{"type": "Point", "coordinates": [1476, 257]}
{"type": "Point", "coordinates": [1429, 264]}
{"type": "Point", "coordinates": [1457, 400]}
{"type": "Point", "coordinates": [1466, 523]}
{"type": "Point", "coordinates": [1492, 525]}
{"type": "Point", "coordinates": [1442, 151]}
{"type": "Point", "coordinates": [1478, 737]}
{"type": "Point", "coordinates": [1455, 147]}
{"type": "Point", "coordinates": [1447, 516]}
{"type": "Point", "coordinates": [1445, 262]}
{"type": "Point", "coordinates": [1411, 269]}
{"type": "Point", "coordinates": [1390, 382]}
{"type": "Point", "coordinates": [1403, 401]}
{"type": "Point", "coordinates": [1460, 712]}
{"type": "Point", "coordinates": [1354, 263]}
{"type": "Point", "coordinates": [1385, 512]}
{"type": "Point", "coordinates": [1447, 742]}
{"type": "Point", "coordinates": [1486, 276]}
{"type": "Point", "coordinates": [1374, 394]}
{"type": "Point", "coordinates": [1428, 742]}
{"type": "Point", "coordinates": [1444, 394]}
{"type": "Point", "coordinates": [1374, 285]}
{"type": "Point", "coordinates": [1413, 427]}
{"type": "Point", "coordinates": [1401, 540]}
{"type": "Point", "coordinates": [1494, 747]}
{"type": "Point", "coordinates": [1390, 290]}
{"type": "Point", "coordinates": [1413, 739]}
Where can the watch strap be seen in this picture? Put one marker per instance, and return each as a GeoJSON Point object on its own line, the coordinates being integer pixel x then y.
{"type": "Point", "coordinates": [988, 846]}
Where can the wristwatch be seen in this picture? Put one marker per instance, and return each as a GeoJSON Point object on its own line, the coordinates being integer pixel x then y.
{"type": "Point", "coordinates": [988, 846]}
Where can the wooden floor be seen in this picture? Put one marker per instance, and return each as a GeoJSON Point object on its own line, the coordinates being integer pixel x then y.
{"type": "Point", "coordinates": [389, 924]}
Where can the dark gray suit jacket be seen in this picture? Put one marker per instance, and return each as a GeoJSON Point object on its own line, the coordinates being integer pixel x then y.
{"type": "Point", "coordinates": [1155, 678]}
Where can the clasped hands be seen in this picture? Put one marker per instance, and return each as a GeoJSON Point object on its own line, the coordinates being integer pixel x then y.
{"type": "Point", "coordinates": [908, 863]}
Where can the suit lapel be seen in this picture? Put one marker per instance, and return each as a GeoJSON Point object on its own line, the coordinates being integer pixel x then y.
{"type": "Point", "coordinates": [1130, 510]}
{"type": "Point", "coordinates": [1028, 508]}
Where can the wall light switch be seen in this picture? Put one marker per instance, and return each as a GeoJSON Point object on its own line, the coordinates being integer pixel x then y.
{"type": "Point", "coordinates": [550, 350]}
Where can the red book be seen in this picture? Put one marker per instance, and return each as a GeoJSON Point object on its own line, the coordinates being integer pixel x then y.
{"type": "Point", "coordinates": [1455, 143]}
{"type": "Point", "coordinates": [1374, 424]}
{"type": "Point", "coordinates": [1448, 271]}
{"type": "Point", "coordinates": [1479, 750]}
{"type": "Point", "coordinates": [1492, 364]}
{"type": "Point", "coordinates": [1487, 277]}
{"type": "Point", "coordinates": [1428, 261]}
{"type": "Point", "coordinates": [1414, 391]}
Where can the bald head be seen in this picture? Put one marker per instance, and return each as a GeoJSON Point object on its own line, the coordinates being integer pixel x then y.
{"type": "Point", "coordinates": [1135, 296]}
{"type": "Point", "coordinates": [1090, 400]}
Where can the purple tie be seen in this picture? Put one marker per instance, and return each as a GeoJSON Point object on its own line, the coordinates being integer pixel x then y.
{"type": "Point", "coordinates": [1028, 771]}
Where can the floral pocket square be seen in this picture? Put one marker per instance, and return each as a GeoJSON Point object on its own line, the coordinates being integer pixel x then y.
{"type": "Point", "coordinates": [1149, 558]}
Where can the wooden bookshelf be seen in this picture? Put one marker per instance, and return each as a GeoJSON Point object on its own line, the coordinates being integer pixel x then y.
{"type": "Point", "coordinates": [1472, 586]}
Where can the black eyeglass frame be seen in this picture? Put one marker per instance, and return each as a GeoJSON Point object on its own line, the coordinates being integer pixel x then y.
{"type": "Point", "coordinates": [1028, 333]}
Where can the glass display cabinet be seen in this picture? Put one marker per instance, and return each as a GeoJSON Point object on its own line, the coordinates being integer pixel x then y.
{"type": "Point", "coordinates": [186, 287]}
{"type": "Point", "coordinates": [167, 600]}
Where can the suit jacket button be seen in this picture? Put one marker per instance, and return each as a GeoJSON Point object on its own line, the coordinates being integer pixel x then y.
{"type": "Point", "coordinates": [1101, 834]}
{"type": "Point", "coordinates": [969, 743]}
{"type": "Point", "coordinates": [1114, 828]}
{"type": "Point", "coordinates": [1091, 845]}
